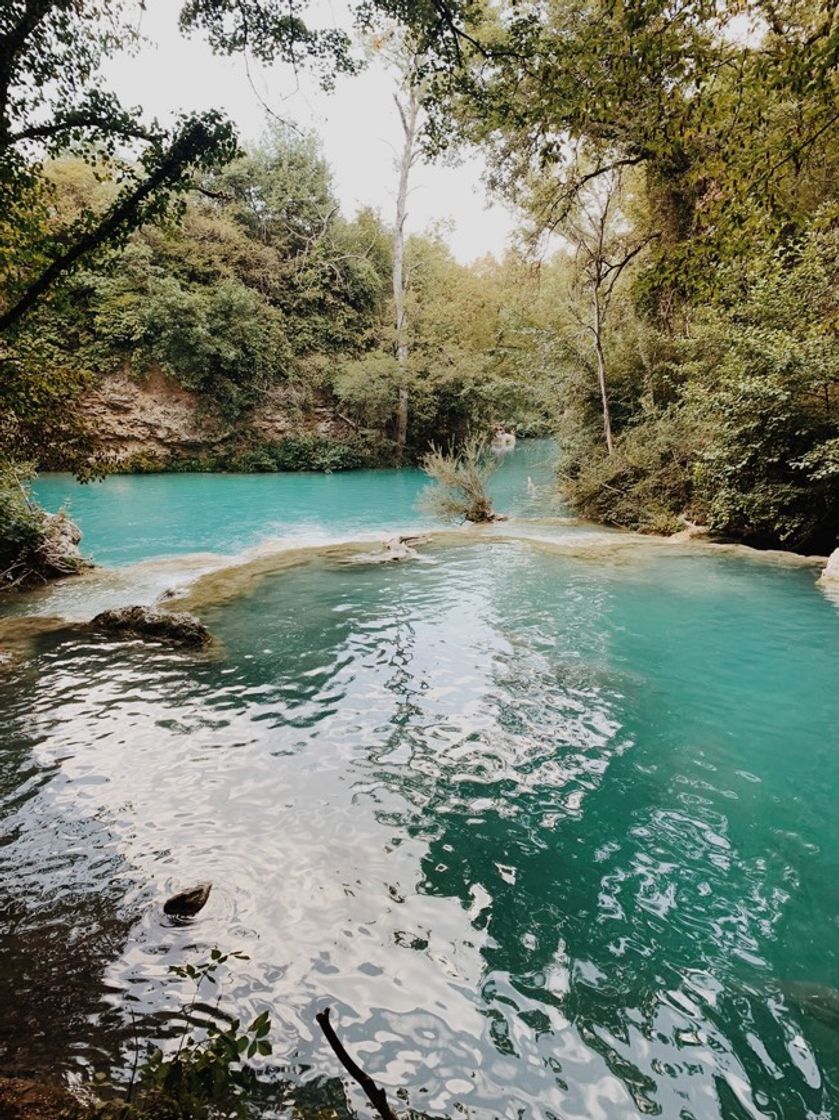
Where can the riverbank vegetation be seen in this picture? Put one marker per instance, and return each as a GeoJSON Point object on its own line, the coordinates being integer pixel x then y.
{"type": "Point", "coordinates": [686, 158]}
{"type": "Point", "coordinates": [35, 546]}
{"type": "Point", "coordinates": [670, 310]}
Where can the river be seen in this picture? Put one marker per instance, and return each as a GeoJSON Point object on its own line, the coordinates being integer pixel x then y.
{"type": "Point", "coordinates": [547, 815]}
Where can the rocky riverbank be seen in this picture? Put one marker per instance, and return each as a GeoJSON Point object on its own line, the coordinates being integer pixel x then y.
{"type": "Point", "coordinates": [151, 422]}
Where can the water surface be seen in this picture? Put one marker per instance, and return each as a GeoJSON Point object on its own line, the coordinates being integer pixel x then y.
{"type": "Point", "coordinates": [553, 831]}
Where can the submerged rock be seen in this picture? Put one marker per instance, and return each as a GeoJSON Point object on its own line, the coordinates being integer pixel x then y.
{"type": "Point", "coordinates": [830, 572]}
{"type": "Point", "coordinates": [172, 626]}
{"type": "Point", "coordinates": [186, 904]}
{"type": "Point", "coordinates": [819, 1001]}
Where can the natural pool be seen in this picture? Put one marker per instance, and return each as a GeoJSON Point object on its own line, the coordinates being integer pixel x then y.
{"type": "Point", "coordinates": [547, 816]}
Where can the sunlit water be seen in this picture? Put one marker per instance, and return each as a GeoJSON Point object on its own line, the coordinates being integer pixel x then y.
{"type": "Point", "coordinates": [553, 831]}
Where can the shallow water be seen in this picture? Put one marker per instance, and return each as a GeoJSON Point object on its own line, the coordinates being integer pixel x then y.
{"type": "Point", "coordinates": [552, 828]}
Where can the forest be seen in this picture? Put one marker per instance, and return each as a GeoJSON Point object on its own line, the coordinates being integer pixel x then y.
{"type": "Point", "coordinates": [669, 309]}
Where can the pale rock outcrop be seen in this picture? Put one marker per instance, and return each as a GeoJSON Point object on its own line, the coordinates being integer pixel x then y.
{"type": "Point", "coordinates": [151, 416]}
{"type": "Point", "coordinates": [691, 532]}
{"type": "Point", "coordinates": [59, 552]}
{"type": "Point", "coordinates": [393, 548]}
{"type": "Point", "coordinates": [154, 417]}
{"type": "Point", "coordinates": [830, 572]}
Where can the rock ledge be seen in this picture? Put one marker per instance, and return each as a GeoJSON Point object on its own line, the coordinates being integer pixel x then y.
{"type": "Point", "coordinates": [171, 626]}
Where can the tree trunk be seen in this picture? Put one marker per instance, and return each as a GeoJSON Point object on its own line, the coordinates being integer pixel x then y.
{"type": "Point", "coordinates": [408, 115]}
{"type": "Point", "coordinates": [601, 372]}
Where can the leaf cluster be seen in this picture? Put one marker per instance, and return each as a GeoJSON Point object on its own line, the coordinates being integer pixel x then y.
{"type": "Point", "coordinates": [208, 1072]}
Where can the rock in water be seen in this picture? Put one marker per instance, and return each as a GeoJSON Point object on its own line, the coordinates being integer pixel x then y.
{"type": "Point", "coordinates": [830, 572]}
{"type": "Point", "coordinates": [186, 904]}
{"type": "Point", "coordinates": [173, 626]}
{"type": "Point", "coordinates": [819, 1001]}
{"type": "Point", "coordinates": [393, 548]}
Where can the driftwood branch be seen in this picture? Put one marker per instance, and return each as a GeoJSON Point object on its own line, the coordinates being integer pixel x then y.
{"type": "Point", "coordinates": [376, 1096]}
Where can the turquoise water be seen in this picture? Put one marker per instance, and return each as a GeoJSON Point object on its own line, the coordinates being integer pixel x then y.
{"type": "Point", "coordinates": [551, 824]}
{"type": "Point", "coordinates": [127, 518]}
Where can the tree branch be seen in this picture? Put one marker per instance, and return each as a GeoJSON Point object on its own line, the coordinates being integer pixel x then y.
{"type": "Point", "coordinates": [218, 196]}
{"type": "Point", "coordinates": [617, 268]}
{"type": "Point", "coordinates": [182, 151]}
{"type": "Point", "coordinates": [560, 205]}
{"type": "Point", "coordinates": [13, 41]}
{"type": "Point", "coordinates": [446, 18]}
{"type": "Point", "coordinates": [376, 1096]}
{"type": "Point", "coordinates": [83, 120]}
{"type": "Point", "coordinates": [795, 151]}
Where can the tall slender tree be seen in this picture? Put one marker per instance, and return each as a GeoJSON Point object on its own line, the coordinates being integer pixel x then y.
{"type": "Point", "coordinates": [604, 246]}
{"type": "Point", "coordinates": [408, 106]}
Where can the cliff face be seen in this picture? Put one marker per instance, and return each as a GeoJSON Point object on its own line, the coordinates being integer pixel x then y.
{"type": "Point", "coordinates": [153, 418]}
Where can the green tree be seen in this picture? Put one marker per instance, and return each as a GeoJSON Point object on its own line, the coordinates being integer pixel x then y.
{"type": "Point", "coordinates": [725, 129]}
{"type": "Point", "coordinates": [259, 283]}
{"type": "Point", "coordinates": [605, 244]}
{"type": "Point", "coordinates": [52, 100]}
{"type": "Point", "coordinates": [51, 52]}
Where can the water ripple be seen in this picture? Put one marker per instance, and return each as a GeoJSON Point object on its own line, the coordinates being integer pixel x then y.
{"type": "Point", "coordinates": [553, 839]}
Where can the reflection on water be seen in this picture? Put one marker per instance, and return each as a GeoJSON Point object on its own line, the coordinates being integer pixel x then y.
{"type": "Point", "coordinates": [556, 838]}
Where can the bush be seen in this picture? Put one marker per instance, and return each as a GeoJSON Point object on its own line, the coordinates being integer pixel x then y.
{"type": "Point", "coordinates": [647, 484]}
{"type": "Point", "coordinates": [22, 525]}
{"type": "Point", "coordinates": [224, 342]}
{"type": "Point", "coordinates": [34, 545]}
{"type": "Point", "coordinates": [307, 451]}
{"type": "Point", "coordinates": [734, 423]}
{"type": "Point", "coordinates": [208, 1074]}
{"type": "Point", "coordinates": [460, 478]}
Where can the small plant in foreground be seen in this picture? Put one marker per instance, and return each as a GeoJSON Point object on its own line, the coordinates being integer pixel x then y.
{"type": "Point", "coordinates": [460, 482]}
{"type": "Point", "coordinates": [208, 1073]}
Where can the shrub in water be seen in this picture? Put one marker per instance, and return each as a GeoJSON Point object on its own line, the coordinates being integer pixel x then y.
{"type": "Point", "coordinates": [460, 478]}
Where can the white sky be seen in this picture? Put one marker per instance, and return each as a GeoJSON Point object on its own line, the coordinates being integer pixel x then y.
{"type": "Point", "coordinates": [357, 124]}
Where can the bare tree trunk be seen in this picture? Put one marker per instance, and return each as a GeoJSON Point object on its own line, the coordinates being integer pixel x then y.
{"type": "Point", "coordinates": [601, 371]}
{"type": "Point", "coordinates": [408, 115]}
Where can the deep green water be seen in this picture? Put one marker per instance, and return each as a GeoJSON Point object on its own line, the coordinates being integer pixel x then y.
{"type": "Point", "coordinates": [552, 827]}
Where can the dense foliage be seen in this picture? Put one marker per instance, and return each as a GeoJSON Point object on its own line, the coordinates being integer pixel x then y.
{"type": "Point", "coordinates": [671, 308]}
{"type": "Point", "coordinates": [21, 528]}
{"type": "Point", "coordinates": [254, 283]}
{"type": "Point", "coordinates": [34, 546]}
{"type": "Point", "coordinates": [686, 155]}
{"type": "Point", "coordinates": [261, 285]}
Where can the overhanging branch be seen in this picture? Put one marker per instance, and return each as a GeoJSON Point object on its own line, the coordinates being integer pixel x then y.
{"type": "Point", "coordinates": [116, 220]}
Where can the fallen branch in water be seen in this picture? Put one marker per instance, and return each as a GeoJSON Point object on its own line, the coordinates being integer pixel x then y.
{"type": "Point", "coordinates": [376, 1096]}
